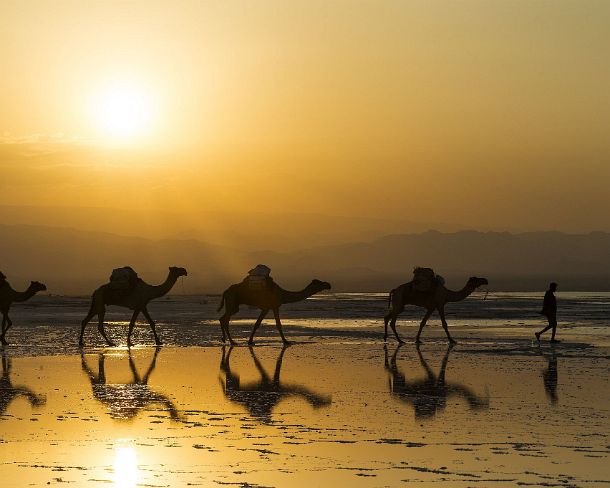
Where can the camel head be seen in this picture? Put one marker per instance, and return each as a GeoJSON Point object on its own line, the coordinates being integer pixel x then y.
{"type": "Point", "coordinates": [37, 286]}
{"type": "Point", "coordinates": [319, 285]}
{"type": "Point", "coordinates": [474, 282]}
{"type": "Point", "coordinates": [177, 271]}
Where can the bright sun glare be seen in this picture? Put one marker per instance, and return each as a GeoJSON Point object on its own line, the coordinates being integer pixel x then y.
{"type": "Point", "coordinates": [125, 467]}
{"type": "Point", "coordinates": [124, 111]}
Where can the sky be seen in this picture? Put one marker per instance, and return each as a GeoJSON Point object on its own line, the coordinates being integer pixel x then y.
{"type": "Point", "coordinates": [486, 115]}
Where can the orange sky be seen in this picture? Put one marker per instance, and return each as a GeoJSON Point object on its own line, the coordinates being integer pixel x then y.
{"type": "Point", "coordinates": [486, 114]}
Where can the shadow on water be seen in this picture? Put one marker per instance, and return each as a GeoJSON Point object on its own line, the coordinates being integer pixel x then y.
{"type": "Point", "coordinates": [125, 400]}
{"type": "Point", "coordinates": [9, 392]}
{"type": "Point", "coordinates": [428, 396]}
{"type": "Point", "coordinates": [260, 397]}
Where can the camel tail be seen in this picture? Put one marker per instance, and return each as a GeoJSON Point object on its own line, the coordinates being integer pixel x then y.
{"type": "Point", "coordinates": [390, 298]}
{"type": "Point", "coordinates": [92, 306]}
{"type": "Point", "coordinates": [222, 303]}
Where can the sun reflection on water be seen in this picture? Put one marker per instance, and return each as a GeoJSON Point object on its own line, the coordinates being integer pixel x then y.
{"type": "Point", "coordinates": [125, 467]}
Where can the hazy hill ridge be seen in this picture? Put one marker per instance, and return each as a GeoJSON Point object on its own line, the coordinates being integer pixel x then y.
{"type": "Point", "coordinates": [74, 261]}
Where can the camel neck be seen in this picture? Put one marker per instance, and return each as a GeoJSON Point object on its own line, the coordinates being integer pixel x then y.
{"type": "Point", "coordinates": [22, 296]}
{"type": "Point", "coordinates": [165, 287]}
{"type": "Point", "coordinates": [456, 296]}
{"type": "Point", "coordinates": [297, 296]}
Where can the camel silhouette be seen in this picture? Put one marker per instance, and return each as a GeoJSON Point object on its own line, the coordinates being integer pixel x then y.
{"type": "Point", "coordinates": [125, 400]}
{"type": "Point", "coordinates": [434, 299]}
{"type": "Point", "coordinates": [136, 299]}
{"type": "Point", "coordinates": [259, 398]}
{"type": "Point", "coordinates": [269, 298]}
{"type": "Point", "coordinates": [9, 393]}
{"type": "Point", "coordinates": [428, 396]}
{"type": "Point", "coordinates": [8, 296]}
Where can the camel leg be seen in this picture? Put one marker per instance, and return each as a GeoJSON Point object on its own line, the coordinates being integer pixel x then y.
{"type": "Point", "coordinates": [441, 312]}
{"type": "Point", "coordinates": [84, 323]}
{"type": "Point", "coordinates": [224, 325]}
{"type": "Point", "coordinates": [100, 327]}
{"type": "Point", "coordinates": [132, 322]}
{"type": "Point", "coordinates": [422, 325]}
{"type": "Point", "coordinates": [2, 339]}
{"type": "Point", "coordinates": [152, 325]}
{"type": "Point", "coordinates": [386, 319]}
{"type": "Point", "coordinates": [4, 329]}
{"type": "Point", "coordinates": [6, 320]}
{"type": "Point", "coordinates": [257, 325]}
{"type": "Point", "coordinates": [276, 314]}
{"type": "Point", "coordinates": [393, 326]}
{"type": "Point", "coordinates": [222, 329]}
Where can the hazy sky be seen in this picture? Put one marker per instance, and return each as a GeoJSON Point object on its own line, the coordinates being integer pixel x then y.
{"type": "Point", "coordinates": [485, 113]}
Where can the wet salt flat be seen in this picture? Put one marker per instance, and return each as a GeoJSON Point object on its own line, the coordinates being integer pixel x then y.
{"type": "Point", "coordinates": [337, 407]}
{"type": "Point", "coordinates": [353, 414]}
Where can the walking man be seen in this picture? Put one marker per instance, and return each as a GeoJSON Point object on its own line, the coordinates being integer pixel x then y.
{"type": "Point", "coordinates": [549, 310]}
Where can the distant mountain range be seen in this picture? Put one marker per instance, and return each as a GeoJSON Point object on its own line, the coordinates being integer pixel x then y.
{"type": "Point", "coordinates": [247, 230]}
{"type": "Point", "coordinates": [73, 261]}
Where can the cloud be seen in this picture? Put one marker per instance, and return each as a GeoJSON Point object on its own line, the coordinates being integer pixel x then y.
{"type": "Point", "coordinates": [40, 138]}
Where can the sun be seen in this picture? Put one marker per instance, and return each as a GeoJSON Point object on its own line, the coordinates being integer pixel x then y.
{"type": "Point", "coordinates": [124, 111]}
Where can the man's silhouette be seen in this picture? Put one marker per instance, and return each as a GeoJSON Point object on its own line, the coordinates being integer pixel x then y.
{"type": "Point", "coordinates": [549, 310]}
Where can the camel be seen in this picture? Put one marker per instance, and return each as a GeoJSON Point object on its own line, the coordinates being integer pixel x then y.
{"type": "Point", "coordinates": [8, 296]}
{"type": "Point", "coordinates": [9, 393]}
{"type": "Point", "coordinates": [135, 299]}
{"type": "Point", "coordinates": [261, 397]}
{"type": "Point", "coordinates": [432, 300]}
{"type": "Point", "coordinates": [428, 396]}
{"type": "Point", "coordinates": [125, 400]}
{"type": "Point", "coordinates": [269, 298]}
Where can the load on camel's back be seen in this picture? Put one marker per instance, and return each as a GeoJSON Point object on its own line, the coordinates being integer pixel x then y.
{"type": "Point", "coordinates": [123, 279]}
{"type": "Point", "coordinates": [258, 277]}
{"type": "Point", "coordinates": [424, 279]}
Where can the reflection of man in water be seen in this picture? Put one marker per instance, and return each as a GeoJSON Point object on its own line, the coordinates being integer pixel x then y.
{"type": "Point", "coordinates": [549, 310]}
{"type": "Point", "coordinates": [549, 376]}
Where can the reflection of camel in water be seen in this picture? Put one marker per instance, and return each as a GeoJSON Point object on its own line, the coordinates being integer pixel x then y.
{"type": "Point", "coordinates": [135, 299]}
{"type": "Point", "coordinates": [125, 400]}
{"type": "Point", "coordinates": [428, 396]}
{"type": "Point", "coordinates": [8, 392]}
{"type": "Point", "coordinates": [260, 397]}
{"type": "Point", "coordinates": [549, 376]}
{"type": "Point", "coordinates": [271, 297]}
{"type": "Point", "coordinates": [8, 296]}
{"type": "Point", "coordinates": [432, 300]}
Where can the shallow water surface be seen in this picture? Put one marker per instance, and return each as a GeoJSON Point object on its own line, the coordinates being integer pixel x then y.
{"type": "Point", "coordinates": [348, 413]}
